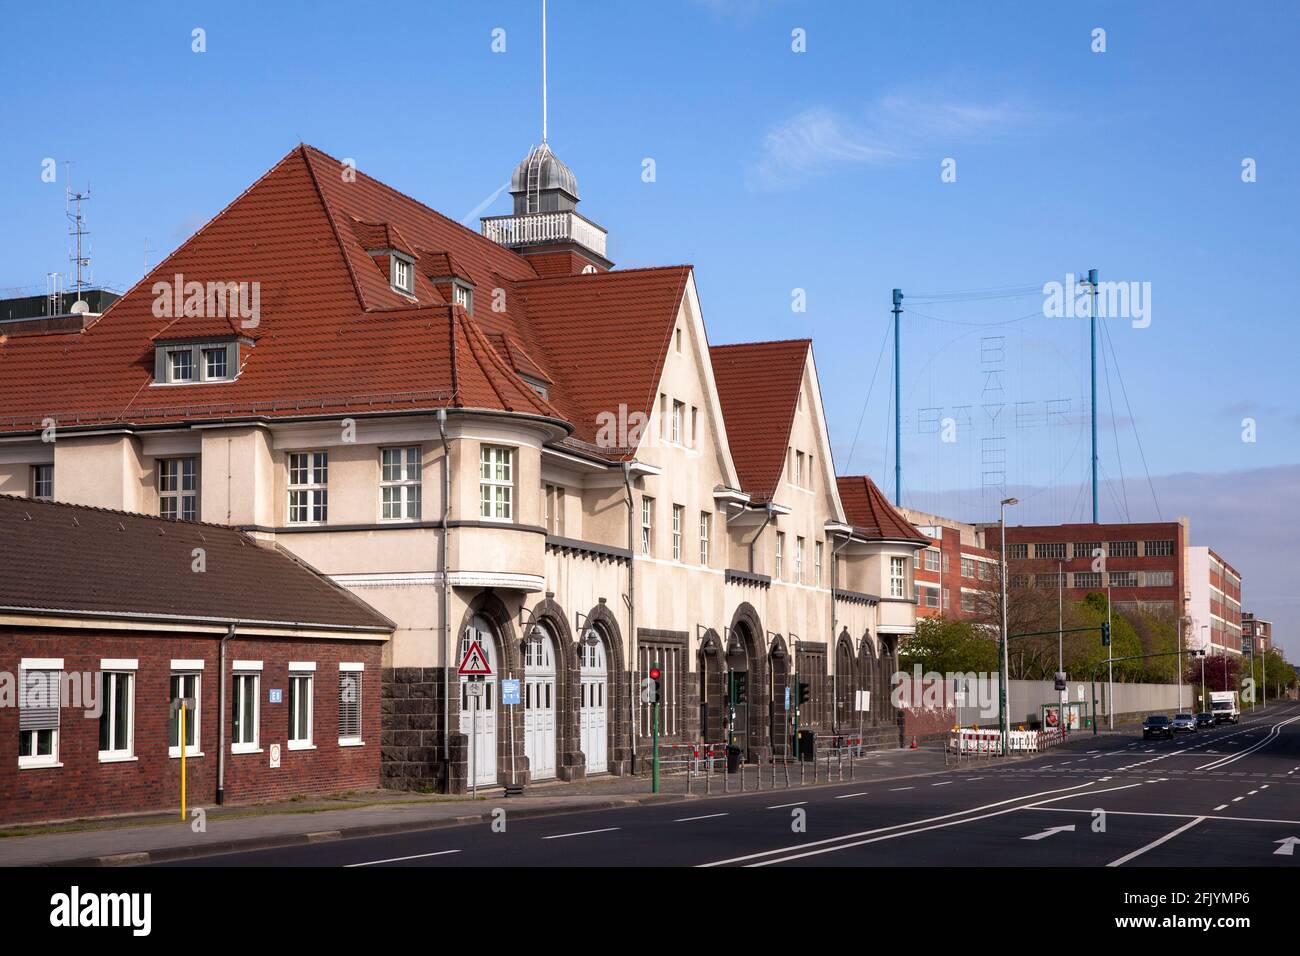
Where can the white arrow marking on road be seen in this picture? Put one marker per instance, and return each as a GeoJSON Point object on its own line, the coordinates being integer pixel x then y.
{"type": "Point", "coordinates": [1049, 832]}
{"type": "Point", "coordinates": [1287, 848]}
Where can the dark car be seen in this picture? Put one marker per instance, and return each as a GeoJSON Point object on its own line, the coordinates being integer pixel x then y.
{"type": "Point", "coordinates": [1204, 720]}
{"type": "Point", "coordinates": [1157, 725]}
{"type": "Point", "coordinates": [1185, 723]}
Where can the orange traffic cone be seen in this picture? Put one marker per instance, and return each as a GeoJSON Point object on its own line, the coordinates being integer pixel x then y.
{"type": "Point", "coordinates": [913, 747]}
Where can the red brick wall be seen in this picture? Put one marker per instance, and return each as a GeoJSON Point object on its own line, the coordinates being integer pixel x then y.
{"type": "Point", "coordinates": [84, 787]}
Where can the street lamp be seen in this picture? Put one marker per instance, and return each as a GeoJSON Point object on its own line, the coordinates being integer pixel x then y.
{"type": "Point", "coordinates": [1004, 676]}
{"type": "Point", "coordinates": [1205, 646]}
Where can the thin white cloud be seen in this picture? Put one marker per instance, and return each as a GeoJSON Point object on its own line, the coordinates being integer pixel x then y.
{"type": "Point", "coordinates": [819, 140]}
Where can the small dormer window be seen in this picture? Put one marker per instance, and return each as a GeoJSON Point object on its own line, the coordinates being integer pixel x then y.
{"type": "Point", "coordinates": [215, 363]}
{"type": "Point", "coordinates": [463, 296]}
{"type": "Point", "coordinates": [181, 365]}
{"type": "Point", "coordinates": [403, 275]}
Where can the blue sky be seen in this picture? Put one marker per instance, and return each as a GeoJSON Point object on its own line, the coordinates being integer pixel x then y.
{"type": "Point", "coordinates": [778, 171]}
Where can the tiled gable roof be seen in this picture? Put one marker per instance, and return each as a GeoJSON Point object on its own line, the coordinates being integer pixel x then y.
{"type": "Point", "coordinates": [758, 389]}
{"type": "Point", "coordinates": [91, 560]}
{"type": "Point", "coordinates": [870, 512]}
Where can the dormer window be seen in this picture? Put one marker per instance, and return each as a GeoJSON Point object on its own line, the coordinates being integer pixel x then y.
{"type": "Point", "coordinates": [215, 363]}
{"type": "Point", "coordinates": [180, 365]}
{"type": "Point", "coordinates": [403, 274]}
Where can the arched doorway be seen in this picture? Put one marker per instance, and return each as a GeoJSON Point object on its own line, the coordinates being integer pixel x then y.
{"type": "Point", "coordinates": [846, 685]}
{"type": "Point", "coordinates": [539, 702]}
{"type": "Point", "coordinates": [593, 713]}
{"type": "Point", "coordinates": [712, 690]}
{"type": "Point", "coordinates": [867, 664]}
{"type": "Point", "coordinates": [779, 722]}
{"type": "Point", "coordinates": [478, 713]}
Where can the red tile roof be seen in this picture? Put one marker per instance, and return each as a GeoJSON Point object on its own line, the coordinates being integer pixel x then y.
{"type": "Point", "coordinates": [92, 560]}
{"type": "Point", "coordinates": [758, 388]}
{"type": "Point", "coordinates": [870, 512]}
{"type": "Point", "coordinates": [334, 336]}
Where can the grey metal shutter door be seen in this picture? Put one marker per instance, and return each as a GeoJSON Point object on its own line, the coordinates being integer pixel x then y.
{"type": "Point", "coordinates": [38, 707]}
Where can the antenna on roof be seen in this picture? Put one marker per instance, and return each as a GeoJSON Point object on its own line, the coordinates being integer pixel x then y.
{"type": "Point", "coordinates": [80, 260]}
{"type": "Point", "coordinates": [543, 71]}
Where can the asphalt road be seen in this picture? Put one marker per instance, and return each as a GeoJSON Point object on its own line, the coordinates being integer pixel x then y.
{"type": "Point", "coordinates": [1223, 797]}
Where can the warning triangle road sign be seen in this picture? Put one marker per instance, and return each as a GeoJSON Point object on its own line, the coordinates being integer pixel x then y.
{"type": "Point", "coordinates": [475, 662]}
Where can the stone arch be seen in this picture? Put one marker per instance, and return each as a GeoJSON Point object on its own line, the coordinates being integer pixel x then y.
{"type": "Point", "coordinates": [747, 636]}
{"type": "Point", "coordinates": [488, 606]}
{"type": "Point", "coordinates": [780, 667]}
{"type": "Point", "coordinates": [847, 683]}
{"type": "Point", "coordinates": [711, 665]}
{"type": "Point", "coordinates": [603, 620]}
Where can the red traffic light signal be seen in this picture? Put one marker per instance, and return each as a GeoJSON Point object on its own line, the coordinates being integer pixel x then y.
{"type": "Point", "coordinates": [655, 673]}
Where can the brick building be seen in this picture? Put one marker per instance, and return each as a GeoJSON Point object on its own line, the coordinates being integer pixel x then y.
{"type": "Point", "coordinates": [1256, 633]}
{"type": "Point", "coordinates": [106, 617]}
{"type": "Point", "coordinates": [955, 573]}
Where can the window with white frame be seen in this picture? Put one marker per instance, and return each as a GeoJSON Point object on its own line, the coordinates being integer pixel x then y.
{"type": "Point", "coordinates": [968, 567]}
{"type": "Point", "coordinates": [678, 517]}
{"type": "Point", "coordinates": [180, 365]}
{"type": "Point", "coordinates": [463, 296]}
{"type": "Point", "coordinates": [403, 275]}
{"type": "Point", "coordinates": [897, 577]}
{"type": "Point", "coordinates": [647, 522]}
{"type": "Point", "coordinates": [38, 713]}
{"type": "Point", "coordinates": [245, 710]}
{"type": "Point", "coordinates": [798, 468]}
{"type": "Point", "coordinates": [931, 559]}
{"type": "Point", "coordinates": [780, 554]}
{"type": "Point", "coordinates": [496, 482]}
{"type": "Point", "coordinates": [818, 582]}
{"type": "Point", "coordinates": [1086, 549]}
{"type": "Point", "coordinates": [350, 704]}
{"type": "Point", "coordinates": [309, 487]}
{"type": "Point", "coordinates": [43, 482]}
{"type": "Point", "coordinates": [184, 685]}
{"type": "Point", "coordinates": [1159, 579]}
{"type": "Point", "coordinates": [679, 411]}
{"type": "Point", "coordinates": [1158, 549]}
{"type": "Point", "coordinates": [1087, 579]}
{"type": "Point", "coordinates": [1122, 549]}
{"type": "Point", "coordinates": [967, 602]}
{"type": "Point", "coordinates": [215, 363]}
{"type": "Point", "coordinates": [399, 483]}
{"type": "Point", "coordinates": [301, 704]}
{"type": "Point", "coordinates": [706, 522]}
{"type": "Point", "coordinates": [117, 716]}
{"type": "Point", "coordinates": [178, 488]}
{"type": "Point", "coordinates": [554, 502]}
{"type": "Point", "coordinates": [1052, 549]}
{"type": "Point", "coordinates": [1122, 579]}
{"type": "Point", "coordinates": [798, 559]}
{"type": "Point", "coordinates": [1017, 552]}
{"type": "Point", "coordinates": [695, 426]}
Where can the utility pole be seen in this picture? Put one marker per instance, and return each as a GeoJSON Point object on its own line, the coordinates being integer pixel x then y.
{"type": "Point", "coordinates": [898, 408]}
{"type": "Point", "coordinates": [1092, 282]}
{"type": "Point", "coordinates": [1004, 716]}
{"type": "Point", "coordinates": [1110, 675]}
{"type": "Point", "coordinates": [1064, 696]}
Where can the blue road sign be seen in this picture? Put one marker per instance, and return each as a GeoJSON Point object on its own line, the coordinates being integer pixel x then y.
{"type": "Point", "coordinates": [510, 692]}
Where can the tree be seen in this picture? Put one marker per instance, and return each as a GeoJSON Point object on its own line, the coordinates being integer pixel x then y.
{"type": "Point", "coordinates": [949, 646]}
{"type": "Point", "coordinates": [1222, 672]}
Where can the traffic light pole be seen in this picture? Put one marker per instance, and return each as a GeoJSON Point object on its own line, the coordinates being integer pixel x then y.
{"type": "Point", "coordinates": [654, 782]}
{"type": "Point", "coordinates": [796, 716]}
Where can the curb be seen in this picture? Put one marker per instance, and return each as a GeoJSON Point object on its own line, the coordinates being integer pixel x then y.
{"type": "Point", "coordinates": [195, 851]}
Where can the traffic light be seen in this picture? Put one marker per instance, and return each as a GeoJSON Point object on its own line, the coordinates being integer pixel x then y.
{"type": "Point", "coordinates": [804, 692]}
{"type": "Point", "coordinates": [740, 687]}
{"type": "Point", "coordinates": [648, 691]}
{"type": "Point", "coordinates": [1105, 634]}
{"type": "Point", "coordinates": [657, 677]}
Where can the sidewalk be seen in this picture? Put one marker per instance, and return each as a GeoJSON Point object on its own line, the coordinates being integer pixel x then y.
{"type": "Point", "coordinates": [155, 838]}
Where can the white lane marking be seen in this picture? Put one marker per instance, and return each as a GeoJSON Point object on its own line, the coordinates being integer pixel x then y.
{"type": "Point", "coordinates": [1155, 843]}
{"type": "Point", "coordinates": [944, 784]}
{"type": "Point", "coordinates": [1050, 831]}
{"type": "Point", "coordinates": [1273, 733]}
{"type": "Point", "coordinates": [399, 859]}
{"type": "Point", "coordinates": [850, 836]}
{"type": "Point", "coordinates": [782, 806]}
{"type": "Point", "coordinates": [707, 816]}
{"type": "Point", "coordinates": [973, 779]}
{"type": "Point", "coordinates": [1237, 799]}
{"type": "Point", "coordinates": [1173, 816]}
{"type": "Point", "coordinates": [896, 789]}
{"type": "Point", "coordinates": [937, 826]}
{"type": "Point", "coordinates": [561, 836]}
{"type": "Point", "coordinates": [845, 796]}
{"type": "Point", "coordinates": [1222, 806]}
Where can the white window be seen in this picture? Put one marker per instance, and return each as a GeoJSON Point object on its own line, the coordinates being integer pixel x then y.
{"type": "Point", "coordinates": [968, 567]}
{"type": "Point", "coordinates": [798, 468]}
{"type": "Point", "coordinates": [300, 707]}
{"type": "Point", "coordinates": [679, 410]}
{"type": "Point", "coordinates": [43, 482]}
{"type": "Point", "coordinates": [931, 559]}
{"type": "Point", "coordinates": [178, 488]}
{"type": "Point", "coordinates": [1122, 549]}
{"type": "Point", "coordinates": [116, 722]}
{"type": "Point", "coordinates": [246, 710]}
{"type": "Point", "coordinates": [38, 713]}
{"type": "Point", "coordinates": [678, 516]}
{"type": "Point", "coordinates": [706, 520]}
{"type": "Point", "coordinates": [403, 276]}
{"type": "Point", "coordinates": [1159, 579]}
{"type": "Point", "coordinates": [780, 553]}
{"type": "Point", "coordinates": [214, 364]}
{"type": "Point", "coordinates": [554, 501]}
{"type": "Point", "coordinates": [1054, 550]}
{"type": "Point", "coordinates": [1017, 552]}
{"type": "Point", "coordinates": [308, 487]}
{"type": "Point", "coordinates": [349, 704]}
{"type": "Point", "coordinates": [399, 483]}
{"type": "Point", "coordinates": [184, 685]}
{"type": "Point", "coordinates": [1159, 549]}
{"type": "Point", "coordinates": [967, 602]}
{"type": "Point", "coordinates": [180, 363]}
{"type": "Point", "coordinates": [818, 582]}
{"type": "Point", "coordinates": [695, 426]}
{"type": "Point", "coordinates": [463, 296]}
{"type": "Point", "coordinates": [647, 522]}
{"type": "Point", "coordinates": [496, 484]}
{"type": "Point", "coordinates": [798, 559]}
{"type": "Point", "coordinates": [897, 577]}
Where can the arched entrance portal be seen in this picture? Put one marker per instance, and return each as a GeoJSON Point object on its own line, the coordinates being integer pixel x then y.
{"type": "Point", "coordinates": [846, 685]}
{"type": "Point", "coordinates": [779, 723]}
{"type": "Point", "coordinates": [746, 684]}
{"type": "Point", "coordinates": [478, 713]}
{"type": "Point", "coordinates": [593, 715]}
{"type": "Point", "coordinates": [539, 703]}
{"type": "Point", "coordinates": [712, 690]}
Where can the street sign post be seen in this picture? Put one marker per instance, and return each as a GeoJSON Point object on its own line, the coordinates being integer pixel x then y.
{"type": "Point", "coordinates": [182, 704]}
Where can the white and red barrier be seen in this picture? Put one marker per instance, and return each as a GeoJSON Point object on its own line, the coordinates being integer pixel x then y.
{"type": "Point", "coordinates": [977, 741]}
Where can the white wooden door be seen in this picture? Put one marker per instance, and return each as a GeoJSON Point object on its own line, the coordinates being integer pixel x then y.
{"type": "Point", "coordinates": [592, 717]}
{"type": "Point", "coordinates": [539, 704]}
{"type": "Point", "coordinates": [480, 713]}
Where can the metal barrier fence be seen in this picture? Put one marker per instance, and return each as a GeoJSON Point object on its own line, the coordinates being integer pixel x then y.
{"type": "Point", "coordinates": [976, 742]}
